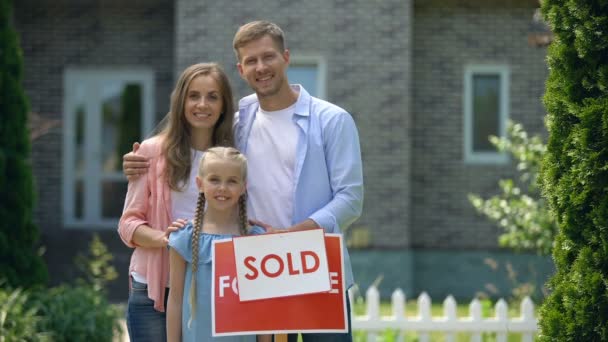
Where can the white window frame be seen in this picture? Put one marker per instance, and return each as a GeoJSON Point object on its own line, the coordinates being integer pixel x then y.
{"type": "Point", "coordinates": [503, 72]}
{"type": "Point", "coordinates": [74, 77]}
{"type": "Point", "coordinates": [320, 63]}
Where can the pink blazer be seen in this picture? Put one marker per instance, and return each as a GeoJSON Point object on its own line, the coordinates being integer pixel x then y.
{"type": "Point", "coordinates": [148, 201]}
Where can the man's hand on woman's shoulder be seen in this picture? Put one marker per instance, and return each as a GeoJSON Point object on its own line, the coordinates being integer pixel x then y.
{"type": "Point", "coordinates": [134, 165]}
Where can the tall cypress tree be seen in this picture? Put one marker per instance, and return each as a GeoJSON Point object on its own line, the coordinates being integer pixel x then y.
{"type": "Point", "coordinates": [575, 170]}
{"type": "Point", "coordinates": [20, 264]}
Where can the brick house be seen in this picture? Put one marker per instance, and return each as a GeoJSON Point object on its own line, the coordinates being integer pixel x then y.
{"type": "Point", "coordinates": [408, 71]}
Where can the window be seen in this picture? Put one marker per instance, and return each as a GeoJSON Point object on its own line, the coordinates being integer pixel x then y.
{"type": "Point", "coordinates": [486, 110]}
{"type": "Point", "coordinates": [310, 73]}
{"type": "Point", "coordinates": [105, 111]}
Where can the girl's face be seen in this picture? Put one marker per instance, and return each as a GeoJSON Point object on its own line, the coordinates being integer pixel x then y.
{"type": "Point", "coordinates": [222, 182]}
{"type": "Point", "coordinates": [203, 104]}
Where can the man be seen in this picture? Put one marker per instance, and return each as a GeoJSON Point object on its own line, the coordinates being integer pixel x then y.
{"type": "Point", "coordinates": [303, 153]}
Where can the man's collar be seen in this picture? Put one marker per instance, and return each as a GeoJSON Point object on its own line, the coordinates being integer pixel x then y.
{"type": "Point", "coordinates": [302, 107]}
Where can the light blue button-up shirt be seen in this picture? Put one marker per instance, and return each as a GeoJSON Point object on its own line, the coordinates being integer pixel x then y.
{"type": "Point", "coordinates": [328, 169]}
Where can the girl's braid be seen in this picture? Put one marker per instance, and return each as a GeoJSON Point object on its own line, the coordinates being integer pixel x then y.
{"type": "Point", "coordinates": [198, 225]}
{"type": "Point", "coordinates": [243, 213]}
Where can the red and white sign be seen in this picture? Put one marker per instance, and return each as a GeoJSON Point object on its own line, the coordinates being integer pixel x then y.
{"type": "Point", "coordinates": [317, 312]}
{"type": "Point", "coordinates": [281, 265]}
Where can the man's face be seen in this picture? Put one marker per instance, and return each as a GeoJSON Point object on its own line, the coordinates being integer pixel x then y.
{"type": "Point", "coordinates": [263, 66]}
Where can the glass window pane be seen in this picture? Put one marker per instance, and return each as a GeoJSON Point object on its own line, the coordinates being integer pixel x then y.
{"type": "Point", "coordinates": [107, 116]}
{"type": "Point", "coordinates": [306, 75]}
{"type": "Point", "coordinates": [79, 141]}
{"type": "Point", "coordinates": [79, 151]}
{"type": "Point", "coordinates": [79, 135]}
{"type": "Point", "coordinates": [79, 199]}
{"type": "Point", "coordinates": [486, 111]}
{"type": "Point", "coordinates": [113, 194]}
{"type": "Point", "coordinates": [121, 107]}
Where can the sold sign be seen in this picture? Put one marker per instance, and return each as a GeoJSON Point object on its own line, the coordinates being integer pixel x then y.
{"type": "Point", "coordinates": [281, 265]}
{"type": "Point", "coordinates": [323, 312]}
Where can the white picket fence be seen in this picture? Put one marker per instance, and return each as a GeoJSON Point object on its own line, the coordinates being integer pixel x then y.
{"type": "Point", "coordinates": [449, 323]}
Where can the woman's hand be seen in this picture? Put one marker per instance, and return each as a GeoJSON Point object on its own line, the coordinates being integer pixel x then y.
{"type": "Point", "coordinates": [175, 226]}
{"type": "Point", "coordinates": [268, 228]}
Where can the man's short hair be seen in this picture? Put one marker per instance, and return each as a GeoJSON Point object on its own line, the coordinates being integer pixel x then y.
{"type": "Point", "coordinates": [255, 30]}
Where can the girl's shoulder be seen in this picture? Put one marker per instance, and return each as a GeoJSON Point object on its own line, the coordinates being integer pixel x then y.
{"type": "Point", "coordinates": [181, 241]}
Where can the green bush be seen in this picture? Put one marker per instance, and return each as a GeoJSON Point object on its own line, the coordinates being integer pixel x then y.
{"type": "Point", "coordinates": [19, 319]}
{"type": "Point", "coordinates": [575, 170]}
{"type": "Point", "coordinates": [77, 313]}
{"type": "Point", "coordinates": [520, 210]}
{"type": "Point", "coordinates": [81, 312]}
{"type": "Point", "coordinates": [62, 313]}
{"type": "Point", "coordinates": [96, 267]}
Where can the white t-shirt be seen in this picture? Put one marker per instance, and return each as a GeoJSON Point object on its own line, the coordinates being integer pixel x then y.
{"type": "Point", "coordinates": [183, 203]}
{"type": "Point", "coordinates": [271, 155]}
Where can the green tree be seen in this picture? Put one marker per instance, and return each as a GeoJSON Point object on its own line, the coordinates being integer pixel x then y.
{"type": "Point", "coordinates": [574, 171]}
{"type": "Point", "coordinates": [519, 209]}
{"type": "Point", "coordinates": [20, 262]}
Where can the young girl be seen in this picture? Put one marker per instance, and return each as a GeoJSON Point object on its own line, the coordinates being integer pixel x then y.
{"type": "Point", "coordinates": [221, 182]}
{"type": "Point", "coordinates": [200, 116]}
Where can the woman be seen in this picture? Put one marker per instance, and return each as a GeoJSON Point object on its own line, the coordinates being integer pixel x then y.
{"type": "Point", "coordinates": [200, 116]}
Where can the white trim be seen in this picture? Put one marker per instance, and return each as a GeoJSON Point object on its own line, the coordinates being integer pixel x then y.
{"type": "Point", "coordinates": [503, 72]}
{"type": "Point", "coordinates": [320, 63]}
{"type": "Point", "coordinates": [91, 78]}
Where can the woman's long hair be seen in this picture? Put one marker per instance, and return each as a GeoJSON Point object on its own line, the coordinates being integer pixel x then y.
{"type": "Point", "coordinates": [176, 130]}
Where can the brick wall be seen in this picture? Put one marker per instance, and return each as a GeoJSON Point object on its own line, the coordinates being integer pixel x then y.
{"type": "Point", "coordinates": [447, 36]}
{"type": "Point", "coordinates": [367, 45]}
{"type": "Point", "coordinates": [60, 34]}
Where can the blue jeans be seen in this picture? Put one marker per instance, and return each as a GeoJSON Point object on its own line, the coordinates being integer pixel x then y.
{"type": "Point", "coordinates": [327, 337]}
{"type": "Point", "coordinates": [143, 322]}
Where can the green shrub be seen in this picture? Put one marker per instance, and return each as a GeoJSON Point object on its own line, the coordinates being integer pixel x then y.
{"type": "Point", "coordinates": [575, 170]}
{"type": "Point", "coordinates": [81, 312]}
{"type": "Point", "coordinates": [520, 210]}
{"type": "Point", "coordinates": [96, 267]}
{"type": "Point", "coordinates": [19, 319]}
{"type": "Point", "coordinates": [77, 313]}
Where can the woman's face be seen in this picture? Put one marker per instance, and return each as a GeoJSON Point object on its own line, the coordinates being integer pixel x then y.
{"type": "Point", "coordinates": [203, 104]}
